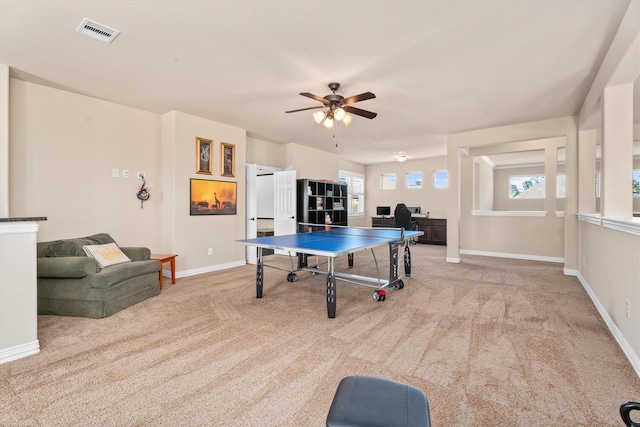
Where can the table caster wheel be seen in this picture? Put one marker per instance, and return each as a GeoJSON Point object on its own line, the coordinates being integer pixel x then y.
{"type": "Point", "coordinates": [379, 295]}
{"type": "Point", "coordinates": [314, 273]}
{"type": "Point", "coordinates": [398, 285]}
{"type": "Point", "coordinates": [292, 277]}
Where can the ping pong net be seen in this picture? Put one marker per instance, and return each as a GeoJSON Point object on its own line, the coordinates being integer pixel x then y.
{"type": "Point", "coordinates": [346, 231]}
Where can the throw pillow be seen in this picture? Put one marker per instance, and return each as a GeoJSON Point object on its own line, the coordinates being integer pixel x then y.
{"type": "Point", "coordinates": [106, 255]}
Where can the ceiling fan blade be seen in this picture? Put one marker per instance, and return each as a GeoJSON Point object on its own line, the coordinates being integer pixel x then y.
{"type": "Point", "coordinates": [304, 109]}
{"type": "Point", "coordinates": [359, 112]}
{"type": "Point", "coordinates": [358, 98]}
{"type": "Point", "coordinates": [316, 97]}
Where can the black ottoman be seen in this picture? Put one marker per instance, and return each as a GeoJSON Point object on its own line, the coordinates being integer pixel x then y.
{"type": "Point", "coordinates": [369, 401]}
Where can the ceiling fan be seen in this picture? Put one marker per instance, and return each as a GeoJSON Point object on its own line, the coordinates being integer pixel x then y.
{"type": "Point", "coordinates": [338, 106]}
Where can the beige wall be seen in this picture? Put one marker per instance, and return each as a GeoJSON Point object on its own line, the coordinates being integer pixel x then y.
{"type": "Point", "coordinates": [430, 199]}
{"type": "Point", "coordinates": [609, 248]}
{"type": "Point", "coordinates": [610, 269]}
{"type": "Point", "coordinates": [64, 147]}
{"type": "Point", "coordinates": [266, 153]}
{"type": "Point", "coordinates": [537, 237]}
{"type": "Point", "coordinates": [192, 236]}
{"type": "Point", "coordinates": [4, 140]}
{"type": "Point", "coordinates": [483, 180]}
{"type": "Point", "coordinates": [18, 290]}
{"type": "Point", "coordinates": [62, 152]}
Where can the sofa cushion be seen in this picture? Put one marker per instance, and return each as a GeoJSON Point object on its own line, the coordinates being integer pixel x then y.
{"type": "Point", "coordinates": [73, 247]}
{"type": "Point", "coordinates": [106, 255]}
{"type": "Point", "coordinates": [115, 274]}
{"type": "Point", "coordinates": [72, 267]}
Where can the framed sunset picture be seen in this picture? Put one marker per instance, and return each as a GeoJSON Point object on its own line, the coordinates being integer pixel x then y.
{"type": "Point", "coordinates": [208, 197]}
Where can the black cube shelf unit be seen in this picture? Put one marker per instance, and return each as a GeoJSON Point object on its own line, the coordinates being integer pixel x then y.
{"type": "Point", "coordinates": [322, 203]}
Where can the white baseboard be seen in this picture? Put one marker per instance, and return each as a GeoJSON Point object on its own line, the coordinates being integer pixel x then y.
{"type": "Point", "coordinates": [19, 351]}
{"type": "Point", "coordinates": [570, 272]}
{"type": "Point", "coordinates": [202, 270]}
{"type": "Point", "coordinates": [514, 256]}
{"type": "Point", "coordinates": [622, 342]}
{"type": "Point", "coordinates": [455, 260]}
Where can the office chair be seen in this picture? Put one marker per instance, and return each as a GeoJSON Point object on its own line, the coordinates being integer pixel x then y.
{"type": "Point", "coordinates": [402, 218]}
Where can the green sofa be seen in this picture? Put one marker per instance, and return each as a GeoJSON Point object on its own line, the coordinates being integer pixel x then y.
{"type": "Point", "coordinates": [70, 283]}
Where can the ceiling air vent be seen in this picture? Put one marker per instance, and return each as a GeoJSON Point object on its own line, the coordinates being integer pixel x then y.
{"type": "Point", "coordinates": [97, 31]}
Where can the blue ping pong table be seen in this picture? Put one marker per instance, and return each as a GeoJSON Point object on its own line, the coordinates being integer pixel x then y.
{"type": "Point", "coordinates": [335, 242]}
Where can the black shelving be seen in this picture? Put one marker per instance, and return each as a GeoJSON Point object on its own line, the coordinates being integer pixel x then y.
{"type": "Point", "coordinates": [321, 202]}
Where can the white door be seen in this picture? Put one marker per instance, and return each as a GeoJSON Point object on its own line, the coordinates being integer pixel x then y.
{"type": "Point", "coordinates": [285, 212]}
{"type": "Point", "coordinates": [252, 210]}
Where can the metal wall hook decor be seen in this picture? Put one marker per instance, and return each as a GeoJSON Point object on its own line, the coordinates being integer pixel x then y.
{"type": "Point", "coordinates": [143, 193]}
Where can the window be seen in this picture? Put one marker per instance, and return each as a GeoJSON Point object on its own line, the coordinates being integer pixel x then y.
{"type": "Point", "coordinates": [388, 181]}
{"type": "Point", "coordinates": [526, 187]}
{"type": "Point", "coordinates": [414, 180]}
{"type": "Point", "coordinates": [355, 186]}
{"type": "Point", "coordinates": [440, 179]}
{"type": "Point", "coordinates": [636, 183]}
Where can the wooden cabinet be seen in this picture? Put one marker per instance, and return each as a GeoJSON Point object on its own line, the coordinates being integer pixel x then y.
{"type": "Point", "coordinates": [382, 221]}
{"type": "Point", "coordinates": [434, 229]}
{"type": "Point", "coordinates": [321, 202]}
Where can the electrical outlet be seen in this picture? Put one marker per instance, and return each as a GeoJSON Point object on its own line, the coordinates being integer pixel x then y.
{"type": "Point", "coordinates": [628, 309]}
{"type": "Point", "coordinates": [115, 172]}
{"type": "Point", "coordinates": [210, 251]}
{"type": "Point", "coordinates": [140, 175]}
{"type": "Point", "coordinates": [125, 173]}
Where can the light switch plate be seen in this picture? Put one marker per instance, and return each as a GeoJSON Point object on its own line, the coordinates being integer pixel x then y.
{"type": "Point", "coordinates": [115, 172]}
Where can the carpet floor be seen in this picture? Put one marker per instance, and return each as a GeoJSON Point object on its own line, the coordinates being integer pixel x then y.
{"type": "Point", "coordinates": [491, 342]}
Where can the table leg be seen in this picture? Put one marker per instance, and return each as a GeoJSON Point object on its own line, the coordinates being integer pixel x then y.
{"type": "Point", "coordinates": [259, 273]}
{"type": "Point", "coordinates": [331, 290]}
{"type": "Point", "coordinates": [393, 262]}
{"type": "Point", "coordinates": [303, 260]}
{"type": "Point", "coordinates": [173, 270]}
{"type": "Point", "coordinates": [407, 260]}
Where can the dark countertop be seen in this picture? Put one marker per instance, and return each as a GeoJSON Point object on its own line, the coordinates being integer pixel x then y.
{"type": "Point", "coordinates": [23, 219]}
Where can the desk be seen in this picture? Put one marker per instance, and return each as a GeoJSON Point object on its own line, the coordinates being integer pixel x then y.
{"type": "Point", "coordinates": [166, 258]}
{"type": "Point", "coordinates": [335, 242]}
{"type": "Point", "coordinates": [434, 230]}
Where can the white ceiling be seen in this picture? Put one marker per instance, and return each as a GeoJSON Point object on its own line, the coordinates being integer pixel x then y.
{"type": "Point", "coordinates": [436, 66]}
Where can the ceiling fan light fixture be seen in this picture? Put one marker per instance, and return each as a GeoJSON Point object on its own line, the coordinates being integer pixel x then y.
{"type": "Point", "coordinates": [319, 116]}
{"type": "Point", "coordinates": [402, 158]}
{"type": "Point", "coordinates": [335, 102]}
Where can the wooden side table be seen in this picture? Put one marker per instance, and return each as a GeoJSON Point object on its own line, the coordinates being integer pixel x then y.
{"type": "Point", "coordinates": [166, 258]}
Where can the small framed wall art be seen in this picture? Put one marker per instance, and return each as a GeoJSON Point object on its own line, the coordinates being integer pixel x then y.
{"type": "Point", "coordinates": [204, 156]}
{"type": "Point", "coordinates": [228, 156]}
